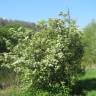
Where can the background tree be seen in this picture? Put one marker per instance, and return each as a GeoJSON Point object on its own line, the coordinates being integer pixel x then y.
{"type": "Point", "coordinates": [90, 39]}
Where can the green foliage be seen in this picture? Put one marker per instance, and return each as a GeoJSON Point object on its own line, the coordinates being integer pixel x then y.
{"type": "Point", "coordinates": [90, 39]}
{"type": "Point", "coordinates": [2, 45]}
{"type": "Point", "coordinates": [9, 38]}
{"type": "Point", "coordinates": [50, 59]}
{"type": "Point", "coordinates": [46, 59]}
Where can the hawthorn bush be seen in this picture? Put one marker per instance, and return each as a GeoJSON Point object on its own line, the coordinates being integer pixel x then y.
{"type": "Point", "coordinates": [55, 54]}
{"type": "Point", "coordinates": [48, 61]}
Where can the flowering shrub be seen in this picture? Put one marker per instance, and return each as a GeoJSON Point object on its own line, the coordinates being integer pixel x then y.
{"type": "Point", "coordinates": [49, 59]}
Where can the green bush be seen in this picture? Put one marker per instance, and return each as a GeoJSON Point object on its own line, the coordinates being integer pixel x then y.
{"type": "Point", "coordinates": [48, 61]}
{"type": "Point", "coordinates": [52, 57]}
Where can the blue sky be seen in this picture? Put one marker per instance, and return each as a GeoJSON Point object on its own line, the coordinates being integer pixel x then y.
{"type": "Point", "coordinates": [33, 10]}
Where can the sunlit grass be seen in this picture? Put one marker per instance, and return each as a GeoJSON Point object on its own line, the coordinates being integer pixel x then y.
{"type": "Point", "coordinates": [89, 74]}
{"type": "Point", "coordinates": [92, 93]}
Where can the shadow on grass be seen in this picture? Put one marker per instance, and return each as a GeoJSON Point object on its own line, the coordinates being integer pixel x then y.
{"type": "Point", "coordinates": [81, 86]}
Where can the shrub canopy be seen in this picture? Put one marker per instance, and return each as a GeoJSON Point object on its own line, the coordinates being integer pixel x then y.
{"type": "Point", "coordinates": [49, 58]}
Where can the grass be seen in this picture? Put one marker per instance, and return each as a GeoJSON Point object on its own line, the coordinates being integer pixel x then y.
{"type": "Point", "coordinates": [86, 86]}
{"type": "Point", "coordinates": [91, 73]}
{"type": "Point", "coordinates": [92, 93]}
